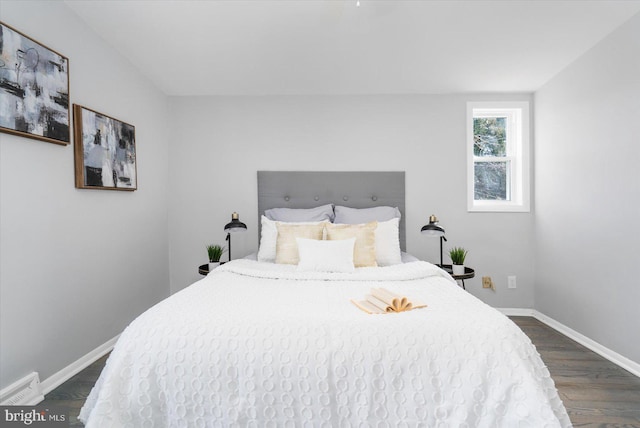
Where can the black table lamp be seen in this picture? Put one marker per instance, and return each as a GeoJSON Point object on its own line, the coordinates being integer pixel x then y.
{"type": "Point", "coordinates": [434, 230]}
{"type": "Point", "coordinates": [234, 227]}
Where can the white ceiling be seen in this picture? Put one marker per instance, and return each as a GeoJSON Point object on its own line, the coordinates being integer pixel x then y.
{"type": "Point", "coordinates": [265, 47]}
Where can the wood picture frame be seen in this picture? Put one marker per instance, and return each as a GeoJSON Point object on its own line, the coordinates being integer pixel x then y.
{"type": "Point", "coordinates": [34, 89]}
{"type": "Point", "coordinates": [105, 151]}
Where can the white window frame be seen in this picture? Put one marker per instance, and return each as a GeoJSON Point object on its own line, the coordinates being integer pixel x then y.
{"type": "Point", "coordinates": [518, 176]}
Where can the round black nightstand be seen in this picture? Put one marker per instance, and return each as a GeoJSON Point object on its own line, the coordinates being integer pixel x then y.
{"type": "Point", "coordinates": [203, 269]}
{"type": "Point", "coordinates": [468, 273]}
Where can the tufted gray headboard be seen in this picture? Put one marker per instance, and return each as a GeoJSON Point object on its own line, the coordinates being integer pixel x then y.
{"type": "Point", "coordinates": [308, 189]}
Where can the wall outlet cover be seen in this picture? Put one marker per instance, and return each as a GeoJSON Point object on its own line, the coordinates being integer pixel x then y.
{"type": "Point", "coordinates": [487, 282]}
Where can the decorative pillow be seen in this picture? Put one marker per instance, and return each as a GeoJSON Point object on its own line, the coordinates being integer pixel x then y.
{"type": "Point", "coordinates": [269, 237]}
{"type": "Point", "coordinates": [321, 213]}
{"type": "Point", "coordinates": [326, 256]}
{"type": "Point", "coordinates": [286, 245]}
{"type": "Point", "coordinates": [364, 252]}
{"type": "Point", "coordinates": [388, 243]}
{"type": "Point", "coordinates": [346, 215]}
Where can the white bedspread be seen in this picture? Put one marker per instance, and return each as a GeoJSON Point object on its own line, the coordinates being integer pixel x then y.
{"type": "Point", "coordinates": [256, 344]}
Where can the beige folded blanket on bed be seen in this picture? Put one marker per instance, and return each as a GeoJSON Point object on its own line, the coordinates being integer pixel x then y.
{"type": "Point", "coordinates": [382, 301]}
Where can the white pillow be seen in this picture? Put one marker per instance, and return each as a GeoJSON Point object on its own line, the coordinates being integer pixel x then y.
{"type": "Point", "coordinates": [388, 243]}
{"type": "Point", "coordinates": [269, 238]}
{"type": "Point", "coordinates": [326, 256]}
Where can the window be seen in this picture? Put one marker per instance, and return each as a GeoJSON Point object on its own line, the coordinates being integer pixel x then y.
{"type": "Point", "coordinates": [498, 156]}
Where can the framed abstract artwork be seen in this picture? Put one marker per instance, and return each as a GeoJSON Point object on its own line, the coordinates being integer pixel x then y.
{"type": "Point", "coordinates": [34, 89]}
{"type": "Point", "coordinates": [105, 151]}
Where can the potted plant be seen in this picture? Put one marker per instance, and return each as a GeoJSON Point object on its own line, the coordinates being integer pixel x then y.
{"type": "Point", "coordinates": [215, 252]}
{"type": "Point", "coordinates": [458, 254]}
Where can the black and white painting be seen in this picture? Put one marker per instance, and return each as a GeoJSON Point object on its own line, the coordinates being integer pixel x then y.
{"type": "Point", "coordinates": [105, 151]}
{"type": "Point", "coordinates": [34, 89]}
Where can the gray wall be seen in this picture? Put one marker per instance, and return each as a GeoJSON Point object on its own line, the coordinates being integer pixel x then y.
{"type": "Point", "coordinates": [76, 266]}
{"type": "Point", "coordinates": [218, 144]}
{"type": "Point", "coordinates": [588, 193]}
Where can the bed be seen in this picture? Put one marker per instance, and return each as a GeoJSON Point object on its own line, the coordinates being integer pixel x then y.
{"type": "Point", "coordinates": [257, 343]}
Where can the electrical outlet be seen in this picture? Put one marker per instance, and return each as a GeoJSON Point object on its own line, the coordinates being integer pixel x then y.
{"type": "Point", "coordinates": [487, 282]}
{"type": "Point", "coordinates": [511, 281]}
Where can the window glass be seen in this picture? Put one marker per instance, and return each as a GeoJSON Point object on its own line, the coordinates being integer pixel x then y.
{"type": "Point", "coordinates": [490, 136]}
{"type": "Point", "coordinates": [491, 181]}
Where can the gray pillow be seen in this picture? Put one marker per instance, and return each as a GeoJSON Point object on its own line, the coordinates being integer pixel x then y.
{"type": "Point", "coordinates": [321, 213]}
{"type": "Point", "coordinates": [348, 215]}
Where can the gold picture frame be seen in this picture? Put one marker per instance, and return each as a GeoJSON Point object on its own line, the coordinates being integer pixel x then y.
{"type": "Point", "coordinates": [105, 151]}
{"type": "Point", "coordinates": [34, 89]}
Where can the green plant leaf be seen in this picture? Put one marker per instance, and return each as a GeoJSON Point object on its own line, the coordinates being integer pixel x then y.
{"type": "Point", "coordinates": [215, 252]}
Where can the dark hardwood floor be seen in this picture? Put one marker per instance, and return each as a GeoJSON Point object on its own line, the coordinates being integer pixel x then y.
{"type": "Point", "coordinates": [72, 394]}
{"type": "Point", "coordinates": [596, 392]}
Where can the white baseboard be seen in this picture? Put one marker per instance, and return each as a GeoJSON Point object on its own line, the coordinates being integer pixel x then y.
{"type": "Point", "coordinates": [29, 391]}
{"type": "Point", "coordinates": [518, 312]}
{"type": "Point", "coordinates": [23, 392]}
{"type": "Point", "coordinates": [57, 379]}
{"type": "Point", "coordinates": [603, 351]}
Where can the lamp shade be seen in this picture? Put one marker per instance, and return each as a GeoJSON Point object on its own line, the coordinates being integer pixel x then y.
{"type": "Point", "coordinates": [235, 225]}
{"type": "Point", "coordinates": [432, 229]}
